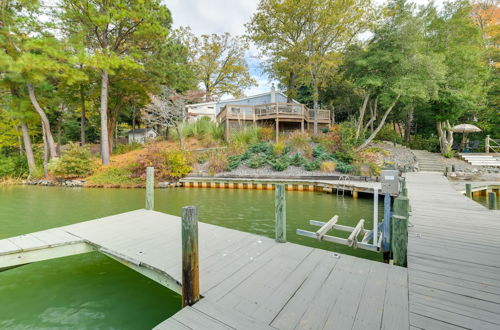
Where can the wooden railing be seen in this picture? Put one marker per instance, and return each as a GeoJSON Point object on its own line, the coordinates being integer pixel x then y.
{"type": "Point", "coordinates": [492, 145]}
{"type": "Point", "coordinates": [248, 112]}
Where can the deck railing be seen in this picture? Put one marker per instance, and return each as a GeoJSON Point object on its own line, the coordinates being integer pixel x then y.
{"type": "Point", "coordinates": [248, 112]}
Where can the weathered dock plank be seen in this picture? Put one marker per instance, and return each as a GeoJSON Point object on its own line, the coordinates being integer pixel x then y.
{"type": "Point", "coordinates": [453, 258]}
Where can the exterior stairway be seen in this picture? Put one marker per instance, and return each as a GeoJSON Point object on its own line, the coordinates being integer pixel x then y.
{"type": "Point", "coordinates": [480, 159]}
{"type": "Point", "coordinates": [428, 161]}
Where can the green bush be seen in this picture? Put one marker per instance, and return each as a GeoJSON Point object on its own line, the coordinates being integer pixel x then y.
{"type": "Point", "coordinates": [345, 156]}
{"type": "Point", "coordinates": [256, 161]}
{"type": "Point", "coordinates": [418, 142]}
{"type": "Point", "coordinates": [233, 162]}
{"type": "Point", "coordinates": [112, 175]}
{"type": "Point", "coordinates": [13, 166]}
{"type": "Point", "coordinates": [246, 136]}
{"type": "Point", "coordinates": [387, 133]}
{"type": "Point", "coordinates": [124, 148]}
{"type": "Point", "coordinates": [344, 168]}
{"type": "Point", "coordinates": [279, 164]}
{"type": "Point", "coordinates": [312, 166]}
{"type": "Point", "coordinates": [449, 154]}
{"type": "Point", "coordinates": [75, 162]}
{"type": "Point", "coordinates": [297, 160]}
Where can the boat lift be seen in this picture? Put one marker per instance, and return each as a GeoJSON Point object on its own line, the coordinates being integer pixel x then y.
{"type": "Point", "coordinates": [379, 235]}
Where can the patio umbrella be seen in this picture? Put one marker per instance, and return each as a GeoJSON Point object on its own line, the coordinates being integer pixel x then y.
{"type": "Point", "coordinates": [465, 129]}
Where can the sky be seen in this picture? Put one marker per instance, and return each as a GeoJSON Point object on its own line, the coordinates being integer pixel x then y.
{"type": "Point", "coordinates": [219, 16]}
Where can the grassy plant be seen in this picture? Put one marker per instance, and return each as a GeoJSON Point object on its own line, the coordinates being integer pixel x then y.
{"type": "Point", "coordinates": [124, 148]}
{"type": "Point", "coordinates": [246, 136]}
{"type": "Point", "coordinates": [217, 162]}
{"type": "Point", "coordinates": [298, 140]}
{"type": "Point", "coordinates": [266, 133]}
{"type": "Point", "coordinates": [111, 175]}
{"type": "Point", "coordinates": [297, 160]}
{"type": "Point", "coordinates": [279, 148]}
{"type": "Point", "coordinates": [327, 166]}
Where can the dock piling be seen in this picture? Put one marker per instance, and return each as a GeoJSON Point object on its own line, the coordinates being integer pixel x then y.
{"type": "Point", "coordinates": [280, 213]}
{"type": "Point", "coordinates": [150, 187]}
{"type": "Point", "coordinates": [386, 228]}
{"type": "Point", "coordinates": [468, 190]}
{"type": "Point", "coordinates": [375, 216]}
{"type": "Point", "coordinates": [190, 258]}
{"type": "Point", "coordinates": [399, 235]}
{"type": "Point", "coordinates": [492, 200]}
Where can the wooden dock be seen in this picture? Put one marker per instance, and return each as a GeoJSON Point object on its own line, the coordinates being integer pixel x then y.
{"type": "Point", "coordinates": [247, 281]}
{"type": "Point", "coordinates": [453, 258]}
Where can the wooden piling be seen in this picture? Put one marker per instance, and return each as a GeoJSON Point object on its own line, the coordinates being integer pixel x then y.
{"type": "Point", "coordinates": [399, 230]}
{"type": "Point", "coordinates": [150, 187]}
{"type": "Point", "coordinates": [492, 200]}
{"type": "Point", "coordinates": [468, 190]}
{"type": "Point", "coordinates": [386, 228]}
{"type": "Point", "coordinates": [190, 258]}
{"type": "Point", "coordinates": [280, 213]}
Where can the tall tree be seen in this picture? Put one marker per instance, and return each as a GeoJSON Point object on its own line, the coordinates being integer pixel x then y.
{"type": "Point", "coordinates": [118, 34]}
{"type": "Point", "coordinates": [310, 34]}
{"type": "Point", "coordinates": [218, 62]}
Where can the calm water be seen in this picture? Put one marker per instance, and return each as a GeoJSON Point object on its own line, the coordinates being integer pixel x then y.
{"type": "Point", "coordinates": [483, 200]}
{"type": "Point", "coordinates": [92, 291]}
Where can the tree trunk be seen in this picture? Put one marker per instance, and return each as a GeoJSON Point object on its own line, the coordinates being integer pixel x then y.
{"type": "Point", "coordinates": [379, 127]}
{"type": "Point", "coordinates": [19, 141]}
{"type": "Point", "coordinates": [315, 96]}
{"type": "Point", "coordinates": [181, 138]}
{"type": "Point", "coordinates": [408, 124]}
{"type": "Point", "coordinates": [291, 87]}
{"type": "Point", "coordinates": [45, 153]}
{"type": "Point", "coordinates": [28, 149]}
{"type": "Point", "coordinates": [445, 136]}
{"type": "Point", "coordinates": [82, 116]}
{"type": "Point", "coordinates": [104, 117]}
{"type": "Point", "coordinates": [362, 115]}
{"type": "Point", "coordinates": [45, 122]}
{"type": "Point", "coordinates": [59, 133]}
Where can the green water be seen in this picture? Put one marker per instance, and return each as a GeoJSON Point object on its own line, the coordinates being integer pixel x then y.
{"type": "Point", "coordinates": [92, 291]}
{"type": "Point", "coordinates": [483, 200]}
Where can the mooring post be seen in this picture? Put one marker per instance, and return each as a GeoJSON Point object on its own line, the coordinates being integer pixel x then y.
{"type": "Point", "coordinates": [399, 235]}
{"type": "Point", "coordinates": [150, 188]}
{"type": "Point", "coordinates": [280, 213]}
{"type": "Point", "coordinates": [375, 216]}
{"type": "Point", "coordinates": [492, 200]}
{"type": "Point", "coordinates": [386, 228]}
{"type": "Point", "coordinates": [190, 259]}
{"type": "Point", "coordinates": [468, 190]}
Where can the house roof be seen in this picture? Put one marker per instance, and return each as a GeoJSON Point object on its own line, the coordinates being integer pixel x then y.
{"type": "Point", "coordinates": [240, 99]}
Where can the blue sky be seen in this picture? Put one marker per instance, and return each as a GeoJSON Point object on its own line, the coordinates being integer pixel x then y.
{"type": "Point", "coordinates": [219, 16]}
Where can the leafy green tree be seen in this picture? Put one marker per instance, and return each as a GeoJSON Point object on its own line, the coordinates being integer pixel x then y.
{"type": "Point", "coordinates": [119, 34]}
{"type": "Point", "coordinates": [397, 64]}
{"type": "Point", "coordinates": [218, 61]}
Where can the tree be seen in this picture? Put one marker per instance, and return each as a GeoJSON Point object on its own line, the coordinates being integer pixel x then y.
{"type": "Point", "coordinates": [396, 65]}
{"type": "Point", "coordinates": [218, 61]}
{"type": "Point", "coordinates": [310, 35]}
{"type": "Point", "coordinates": [454, 36]}
{"type": "Point", "coordinates": [166, 110]}
{"type": "Point", "coordinates": [118, 34]}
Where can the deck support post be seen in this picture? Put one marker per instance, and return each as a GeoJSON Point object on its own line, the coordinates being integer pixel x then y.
{"type": "Point", "coordinates": [280, 213]}
{"type": "Point", "coordinates": [150, 188]}
{"type": "Point", "coordinates": [277, 130]}
{"type": "Point", "coordinates": [386, 228]}
{"type": "Point", "coordinates": [468, 190]}
{"type": "Point", "coordinates": [487, 144]}
{"type": "Point", "coordinates": [190, 258]}
{"type": "Point", "coordinates": [399, 235]}
{"type": "Point", "coordinates": [492, 200]}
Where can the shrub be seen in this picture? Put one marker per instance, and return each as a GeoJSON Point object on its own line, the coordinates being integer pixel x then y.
{"type": "Point", "coordinates": [233, 162]}
{"type": "Point", "coordinates": [327, 166]}
{"type": "Point", "coordinates": [256, 161]}
{"type": "Point", "coordinates": [246, 136]}
{"type": "Point", "coordinates": [318, 151]}
{"type": "Point", "coordinates": [279, 148]}
{"type": "Point", "coordinates": [418, 142]}
{"type": "Point", "coordinates": [75, 162]}
{"type": "Point", "coordinates": [124, 148]}
{"type": "Point", "coordinates": [14, 166]}
{"type": "Point", "coordinates": [266, 133]}
{"type": "Point", "coordinates": [298, 140]}
{"type": "Point", "coordinates": [346, 156]}
{"type": "Point", "coordinates": [167, 164]}
{"type": "Point", "coordinates": [297, 160]}
{"type": "Point", "coordinates": [449, 154]}
{"type": "Point", "coordinates": [279, 164]}
{"type": "Point", "coordinates": [217, 163]}
{"type": "Point", "coordinates": [262, 147]}
{"type": "Point", "coordinates": [114, 175]}
{"type": "Point", "coordinates": [344, 168]}
{"type": "Point", "coordinates": [387, 133]}
{"type": "Point", "coordinates": [203, 128]}
{"type": "Point", "coordinates": [331, 140]}
{"type": "Point", "coordinates": [312, 166]}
